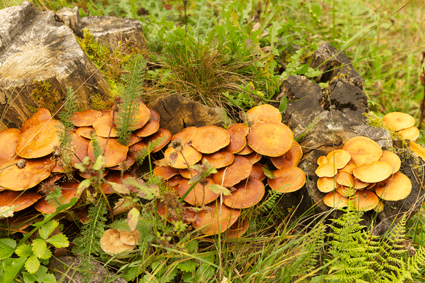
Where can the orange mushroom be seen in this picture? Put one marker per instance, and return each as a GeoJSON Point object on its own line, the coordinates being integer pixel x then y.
{"type": "Point", "coordinates": [210, 139]}
{"type": "Point", "coordinates": [248, 193]}
{"type": "Point", "coordinates": [397, 121]}
{"type": "Point", "coordinates": [373, 172]}
{"type": "Point", "coordinates": [363, 150]}
{"type": "Point", "coordinates": [216, 219]}
{"type": "Point", "coordinates": [20, 200]}
{"type": "Point", "coordinates": [85, 118]}
{"type": "Point", "coordinates": [270, 139]}
{"type": "Point", "coordinates": [263, 113]}
{"type": "Point", "coordinates": [287, 180]}
{"type": "Point", "coordinates": [395, 188]}
{"type": "Point", "coordinates": [233, 174]}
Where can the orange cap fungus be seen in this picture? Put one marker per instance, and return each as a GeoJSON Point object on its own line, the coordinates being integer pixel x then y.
{"type": "Point", "coordinates": [365, 200]}
{"type": "Point", "coordinates": [287, 180]}
{"type": "Point", "coordinates": [363, 150]}
{"type": "Point", "coordinates": [263, 113]}
{"type": "Point", "coordinates": [373, 172]}
{"type": "Point", "coordinates": [290, 159]}
{"type": "Point", "coordinates": [188, 154]}
{"type": "Point", "coordinates": [151, 127]}
{"type": "Point", "coordinates": [392, 159]}
{"type": "Point", "coordinates": [248, 193]}
{"type": "Point", "coordinates": [397, 121]}
{"type": "Point", "coordinates": [257, 172]}
{"type": "Point", "coordinates": [326, 170]}
{"type": "Point", "coordinates": [209, 139]}
{"type": "Point", "coordinates": [42, 115]}
{"type": "Point", "coordinates": [8, 142]}
{"type": "Point", "coordinates": [345, 179]}
{"type": "Point", "coordinates": [216, 219]}
{"type": "Point", "coordinates": [21, 200]}
{"type": "Point", "coordinates": [233, 174]}
{"type": "Point", "coordinates": [326, 184]}
{"type": "Point", "coordinates": [68, 191]}
{"type": "Point", "coordinates": [140, 117]}
{"type": "Point", "coordinates": [339, 157]}
{"type": "Point", "coordinates": [104, 126]}
{"type": "Point", "coordinates": [411, 133]}
{"type": "Point", "coordinates": [199, 195]}
{"type": "Point", "coordinates": [395, 188]}
{"type": "Point", "coordinates": [219, 159]}
{"type": "Point", "coordinates": [270, 139]}
{"type": "Point", "coordinates": [114, 153]}
{"type": "Point", "coordinates": [85, 118]}
{"type": "Point", "coordinates": [335, 200]}
{"type": "Point", "coordinates": [111, 244]}
{"type": "Point", "coordinates": [161, 133]}
{"type": "Point", "coordinates": [322, 160]}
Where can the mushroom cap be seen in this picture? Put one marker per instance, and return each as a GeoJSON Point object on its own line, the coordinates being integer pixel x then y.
{"type": "Point", "coordinates": [263, 113]}
{"type": "Point", "coordinates": [417, 149]}
{"type": "Point", "coordinates": [380, 207]}
{"type": "Point", "coordinates": [175, 181]}
{"type": "Point", "coordinates": [161, 133]}
{"type": "Point", "coordinates": [365, 200]}
{"type": "Point", "coordinates": [345, 179]}
{"type": "Point", "coordinates": [246, 150]}
{"type": "Point", "coordinates": [151, 127]}
{"type": "Point", "coordinates": [392, 159]}
{"type": "Point", "coordinates": [335, 200]}
{"type": "Point", "coordinates": [111, 244]}
{"type": "Point", "coordinates": [166, 172]}
{"type": "Point", "coordinates": [129, 237]}
{"type": "Point", "coordinates": [257, 172]}
{"type": "Point", "coordinates": [219, 159]}
{"type": "Point", "coordinates": [248, 193]}
{"type": "Point", "coordinates": [346, 191]}
{"type": "Point", "coordinates": [79, 148]}
{"type": "Point", "coordinates": [188, 173]}
{"type": "Point", "coordinates": [8, 143]}
{"type": "Point", "coordinates": [136, 148]}
{"type": "Point", "coordinates": [209, 139]}
{"type": "Point", "coordinates": [184, 135]}
{"type": "Point", "coordinates": [326, 170]}
{"type": "Point", "coordinates": [397, 121]}
{"type": "Point", "coordinates": [238, 128]}
{"type": "Point", "coordinates": [359, 184]}
{"type": "Point", "coordinates": [237, 230]}
{"type": "Point", "coordinates": [68, 191]}
{"type": "Point", "coordinates": [396, 188]}
{"type": "Point", "coordinates": [85, 118]}
{"type": "Point", "coordinates": [35, 171]}
{"type": "Point", "coordinates": [233, 174]}
{"type": "Point", "coordinates": [104, 126]}
{"type": "Point", "coordinates": [270, 139]}
{"type": "Point", "coordinates": [327, 184]}
{"type": "Point", "coordinates": [126, 164]}
{"type": "Point", "coordinates": [39, 140]}
{"type": "Point", "coordinates": [84, 132]}
{"type": "Point", "coordinates": [253, 157]}
{"type": "Point", "coordinates": [373, 172]}
{"type": "Point", "coordinates": [188, 154]}
{"type": "Point", "coordinates": [198, 194]}
{"type": "Point", "coordinates": [133, 140]}
{"type": "Point", "coordinates": [339, 157]}
{"type": "Point", "coordinates": [290, 159]}
{"type": "Point", "coordinates": [139, 117]}
{"type": "Point", "coordinates": [114, 153]}
{"type": "Point", "coordinates": [363, 150]}
{"type": "Point", "coordinates": [322, 160]}
{"type": "Point", "coordinates": [348, 168]}
{"type": "Point", "coordinates": [41, 115]}
{"type": "Point", "coordinates": [21, 200]}
{"type": "Point", "coordinates": [215, 219]}
{"type": "Point", "coordinates": [287, 180]}
{"type": "Point", "coordinates": [411, 133]}
{"type": "Point", "coordinates": [238, 133]}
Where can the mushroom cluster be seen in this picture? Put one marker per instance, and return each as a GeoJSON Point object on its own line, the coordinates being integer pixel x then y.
{"type": "Point", "coordinates": [116, 241]}
{"type": "Point", "coordinates": [403, 124]}
{"type": "Point", "coordinates": [236, 153]}
{"type": "Point", "coordinates": [28, 154]}
{"type": "Point", "coordinates": [363, 171]}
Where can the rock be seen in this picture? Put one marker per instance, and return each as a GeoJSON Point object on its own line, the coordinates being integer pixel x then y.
{"type": "Point", "coordinates": [334, 63]}
{"type": "Point", "coordinates": [325, 120]}
{"type": "Point", "coordinates": [113, 32]}
{"type": "Point", "coordinates": [177, 113]}
{"type": "Point", "coordinates": [65, 269]}
{"type": "Point", "coordinates": [39, 60]}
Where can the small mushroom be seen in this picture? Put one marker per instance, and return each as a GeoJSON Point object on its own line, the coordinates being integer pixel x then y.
{"type": "Point", "coordinates": [287, 180]}
{"type": "Point", "coordinates": [151, 127]}
{"type": "Point", "coordinates": [396, 187]}
{"type": "Point", "coordinates": [363, 150]}
{"type": "Point", "coordinates": [263, 113]}
{"type": "Point", "coordinates": [68, 191]}
{"type": "Point", "coordinates": [270, 139]}
{"type": "Point", "coordinates": [161, 133]}
{"type": "Point", "coordinates": [42, 115]}
{"type": "Point", "coordinates": [216, 219]}
{"type": "Point", "coordinates": [248, 193]}
{"type": "Point", "coordinates": [21, 200]}
{"type": "Point", "coordinates": [237, 230]}
{"type": "Point", "coordinates": [411, 133]}
{"type": "Point", "coordinates": [233, 174]}
{"type": "Point", "coordinates": [335, 200]}
{"type": "Point", "coordinates": [373, 172]}
{"type": "Point", "coordinates": [140, 115]}
{"type": "Point", "coordinates": [199, 195]}
{"type": "Point", "coordinates": [322, 160]}
{"type": "Point", "coordinates": [85, 118]}
{"type": "Point", "coordinates": [210, 139]}
{"type": "Point", "coordinates": [392, 159]}
{"type": "Point", "coordinates": [397, 121]}
{"type": "Point", "coordinates": [114, 153]}
{"type": "Point", "coordinates": [104, 126]}
{"type": "Point", "coordinates": [290, 159]}
{"type": "Point", "coordinates": [326, 170]}
{"type": "Point", "coordinates": [339, 157]}
{"type": "Point", "coordinates": [327, 184]}
{"type": "Point", "coordinates": [111, 243]}
{"type": "Point", "coordinates": [219, 159]}
{"type": "Point", "coordinates": [365, 200]}
{"type": "Point", "coordinates": [345, 179]}
{"type": "Point", "coordinates": [187, 157]}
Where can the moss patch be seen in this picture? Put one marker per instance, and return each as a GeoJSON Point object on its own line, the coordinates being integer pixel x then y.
{"type": "Point", "coordinates": [44, 96]}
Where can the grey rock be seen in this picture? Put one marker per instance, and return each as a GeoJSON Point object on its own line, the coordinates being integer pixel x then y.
{"type": "Point", "coordinates": [67, 269]}
{"type": "Point", "coordinates": [334, 63]}
{"type": "Point", "coordinates": [35, 47]}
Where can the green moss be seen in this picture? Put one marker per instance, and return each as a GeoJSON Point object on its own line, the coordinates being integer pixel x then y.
{"type": "Point", "coordinates": [44, 96]}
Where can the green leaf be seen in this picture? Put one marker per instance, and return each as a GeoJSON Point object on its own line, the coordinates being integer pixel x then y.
{"type": "Point", "coordinates": [11, 267]}
{"type": "Point", "coordinates": [100, 163]}
{"type": "Point", "coordinates": [48, 229]}
{"type": "Point", "coordinates": [187, 265]}
{"type": "Point", "coordinates": [148, 192]}
{"type": "Point", "coordinates": [7, 247]}
{"type": "Point", "coordinates": [269, 174]}
{"type": "Point", "coordinates": [32, 264]}
{"type": "Point", "coordinates": [120, 188]}
{"type": "Point", "coordinates": [215, 188]}
{"type": "Point", "coordinates": [39, 246]}
{"type": "Point", "coordinates": [133, 218]}
{"type": "Point", "coordinates": [59, 241]}
{"type": "Point", "coordinates": [283, 104]}
{"type": "Point", "coordinates": [24, 250]}
{"type": "Point", "coordinates": [82, 186]}
{"type": "Point", "coordinates": [192, 246]}
{"type": "Point", "coordinates": [40, 276]}
{"type": "Point", "coordinates": [47, 254]}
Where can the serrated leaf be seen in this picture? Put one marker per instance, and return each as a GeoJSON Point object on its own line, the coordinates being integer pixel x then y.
{"type": "Point", "coordinates": [82, 186]}
{"type": "Point", "coordinates": [269, 174]}
{"type": "Point", "coordinates": [7, 247]}
{"type": "Point", "coordinates": [47, 254]}
{"type": "Point", "coordinates": [133, 218]}
{"type": "Point", "coordinates": [100, 163]}
{"type": "Point", "coordinates": [48, 229]}
{"type": "Point", "coordinates": [219, 189]}
{"type": "Point", "coordinates": [32, 264]}
{"type": "Point", "coordinates": [147, 192]}
{"type": "Point", "coordinates": [187, 265]}
{"type": "Point", "coordinates": [120, 188]}
{"type": "Point", "coordinates": [39, 246]}
{"type": "Point", "coordinates": [192, 246]}
{"type": "Point", "coordinates": [24, 250]}
{"type": "Point", "coordinates": [40, 276]}
{"type": "Point", "coordinates": [59, 241]}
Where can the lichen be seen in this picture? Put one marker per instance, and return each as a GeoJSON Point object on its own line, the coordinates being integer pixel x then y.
{"type": "Point", "coordinates": [44, 96]}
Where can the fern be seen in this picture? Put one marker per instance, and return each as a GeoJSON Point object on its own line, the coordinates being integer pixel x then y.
{"type": "Point", "coordinates": [270, 202]}
{"type": "Point", "coordinates": [65, 116]}
{"type": "Point", "coordinates": [350, 248]}
{"type": "Point", "coordinates": [128, 108]}
{"type": "Point", "coordinates": [89, 243]}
